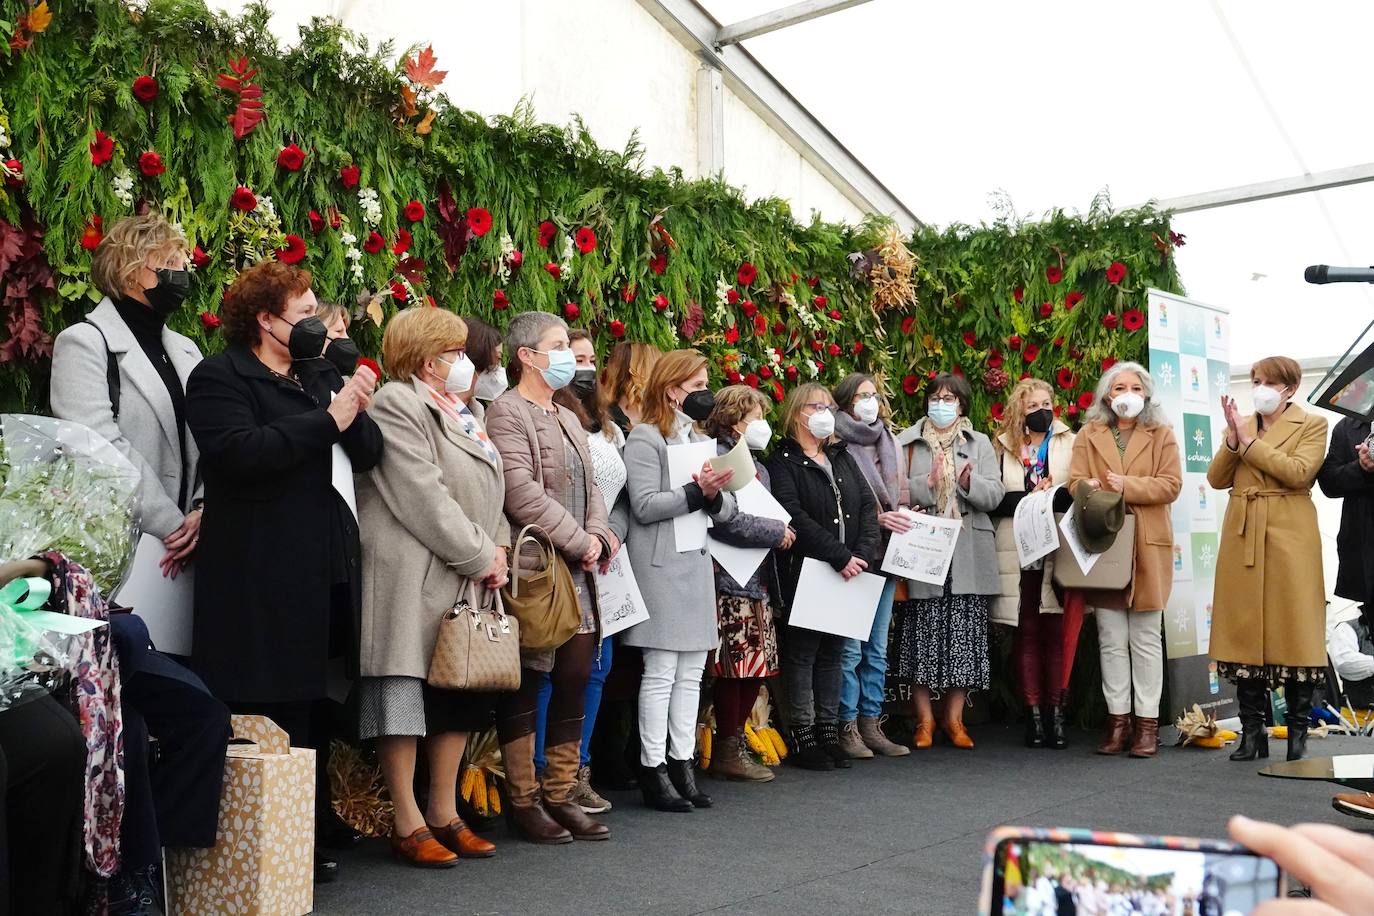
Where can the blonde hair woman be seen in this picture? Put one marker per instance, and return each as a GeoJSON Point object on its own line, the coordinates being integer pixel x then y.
{"type": "Point", "coordinates": [1035, 450]}
{"type": "Point", "coordinates": [623, 380]}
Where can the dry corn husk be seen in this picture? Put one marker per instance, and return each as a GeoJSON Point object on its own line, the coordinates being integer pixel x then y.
{"type": "Point", "coordinates": [1200, 729]}
{"type": "Point", "coordinates": [891, 277]}
{"type": "Point", "coordinates": [360, 797]}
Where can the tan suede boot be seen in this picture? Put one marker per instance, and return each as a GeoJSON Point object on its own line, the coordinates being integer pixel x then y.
{"type": "Point", "coordinates": [525, 815]}
{"type": "Point", "coordinates": [562, 754]}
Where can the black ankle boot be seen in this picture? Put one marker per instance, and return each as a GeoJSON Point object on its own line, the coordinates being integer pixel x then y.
{"type": "Point", "coordinates": [1056, 739]}
{"type": "Point", "coordinates": [1252, 694]}
{"type": "Point", "coordinates": [684, 779]}
{"type": "Point", "coordinates": [1299, 697]}
{"type": "Point", "coordinates": [658, 790]}
{"type": "Point", "coordinates": [1035, 727]}
{"type": "Point", "coordinates": [806, 753]}
{"type": "Point", "coordinates": [828, 737]}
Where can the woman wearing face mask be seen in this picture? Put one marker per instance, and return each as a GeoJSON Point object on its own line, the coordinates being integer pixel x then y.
{"type": "Point", "coordinates": [432, 523]}
{"type": "Point", "coordinates": [943, 630]}
{"type": "Point", "coordinates": [122, 372]}
{"type": "Point", "coordinates": [1128, 447]}
{"type": "Point", "coordinates": [627, 372]}
{"type": "Point", "coordinates": [677, 582]}
{"type": "Point", "coordinates": [339, 350]}
{"type": "Point", "coordinates": [277, 585]}
{"type": "Point", "coordinates": [747, 646]}
{"type": "Point", "coordinates": [484, 349]}
{"type": "Point", "coordinates": [859, 423]}
{"type": "Point", "coordinates": [1035, 451]}
{"type": "Point", "coordinates": [1269, 609]}
{"type": "Point", "coordinates": [550, 483]}
{"type": "Point", "coordinates": [836, 519]}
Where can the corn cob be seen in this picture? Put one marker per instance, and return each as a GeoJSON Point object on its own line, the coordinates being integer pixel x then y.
{"type": "Point", "coordinates": [469, 782]}
{"type": "Point", "coordinates": [774, 738]}
{"type": "Point", "coordinates": [493, 798]}
{"type": "Point", "coordinates": [479, 793]}
{"type": "Point", "coordinates": [759, 746]}
{"type": "Point", "coordinates": [704, 742]}
{"type": "Point", "coordinates": [1214, 741]}
{"type": "Point", "coordinates": [1279, 731]}
{"type": "Point", "coordinates": [1225, 734]}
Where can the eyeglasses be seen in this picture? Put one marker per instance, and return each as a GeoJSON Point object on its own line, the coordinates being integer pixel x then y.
{"type": "Point", "coordinates": [872, 395]}
{"type": "Point", "coordinates": [818, 407]}
{"type": "Point", "coordinates": [947, 399]}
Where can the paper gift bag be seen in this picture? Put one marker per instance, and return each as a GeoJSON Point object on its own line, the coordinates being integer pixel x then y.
{"type": "Point", "coordinates": [263, 860]}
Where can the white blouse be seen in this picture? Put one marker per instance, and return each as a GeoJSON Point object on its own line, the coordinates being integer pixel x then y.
{"type": "Point", "coordinates": [607, 466]}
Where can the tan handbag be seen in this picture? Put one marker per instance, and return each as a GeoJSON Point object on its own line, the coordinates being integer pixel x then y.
{"type": "Point", "coordinates": [479, 644]}
{"type": "Point", "coordinates": [540, 593]}
{"type": "Point", "coordinates": [1113, 570]}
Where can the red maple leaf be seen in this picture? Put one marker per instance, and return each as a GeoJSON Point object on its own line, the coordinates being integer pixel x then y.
{"type": "Point", "coordinates": [420, 69]}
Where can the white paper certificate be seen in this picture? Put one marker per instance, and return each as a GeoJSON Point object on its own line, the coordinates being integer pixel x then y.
{"type": "Point", "coordinates": [924, 552]}
{"type": "Point", "coordinates": [684, 460]}
{"type": "Point", "coordinates": [1033, 527]}
{"type": "Point", "coordinates": [1086, 561]}
{"type": "Point", "coordinates": [828, 603]}
{"type": "Point", "coordinates": [742, 562]}
{"type": "Point", "coordinates": [618, 597]}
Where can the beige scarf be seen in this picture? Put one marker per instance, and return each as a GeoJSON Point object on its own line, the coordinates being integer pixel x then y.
{"type": "Point", "coordinates": [942, 443]}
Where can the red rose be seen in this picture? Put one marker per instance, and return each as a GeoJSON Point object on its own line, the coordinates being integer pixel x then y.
{"type": "Point", "coordinates": [1133, 320]}
{"type": "Point", "coordinates": [908, 324]}
{"type": "Point", "coordinates": [617, 329]}
{"type": "Point", "coordinates": [911, 384]}
{"type": "Point", "coordinates": [791, 373]}
{"type": "Point", "coordinates": [1116, 272]}
{"type": "Point", "coordinates": [1030, 353]}
{"type": "Point", "coordinates": [765, 372]}
{"type": "Point", "coordinates": [515, 259]}
{"type": "Point", "coordinates": [995, 360]}
{"type": "Point", "coordinates": [243, 199]}
{"type": "Point", "coordinates": [760, 325]}
{"type": "Point", "coordinates": [554, 270]}
{"type": "Point", "coordinates": [931, 373]}
{"type": "Point", "coordinates": [349, 175]}
{"type": "Point", "coordinates": [499, 300]}
{"type": "Point", "coordinates": [833, 350]}
{"type": "Point", "coordinates": [751, 380]}
{"type": "Point", "coordinates": [732, 335]}
{"type": "Point", "coordinates": [1072, 300]}
{"type": "Point", "coordinates": [998, 411]}
{"type": "Point", "coordinates": [1014, 341]}
{"type": "Point", "coordinates": [835, 315]}
{"type": "Point", "coordinates": [398, 291]}
{"type": "Point", "coordinates": [90, 239]}
{"type": "Point", "coordinates": [571, 311]}
{"type": "Point", "coordinates": [779, 327]}
{"type": "Point", "coordinates": [658, 263]}
{"type": "Point", "coordinates": [102, 148]}
{"type": "Point", "coordinates": [748, 308]}
{"type": "Point", "coordinates": [585, 240]}
{"type": "Point", "coordinates": [547, 230]}
{"type": "Point", "coordinates": [957, 370]}
{"type": "Point", "coordinates": [731, 296]}
{"type": "Point", "coordinates": [150, 164]}
{"type": "Point", "coordinates": [820, 366]}
{"type": "Point", "coordinates": [403, 240]}
{"type": "Point", "coordinates": [1073, 410]}
{"type": "Point", "coordinates": [1108, 363]}
{"type": "Point", "coordinates": [1085, 400]}
{"type": "Point", "coordinates": [858, 347]}
{"type": "Point", "coordinates": [747, 274]}
{"type": "Point", "coordinates": [629, 291]}
{"type": "Point", "coordinates": [145, 89]}
{"type": "Point", "coordinates": [777, 393]}
{"type": "Point", "coordinates": [812, 281]}
{"type": "Point", "coordinates": [1058, 409]}
{"type": "Point", "coordinates": [17, 167]}
{"type": "Point", "coordinates": [374, 243]}
{"type": "Point", "coordinates": [661, 302]}
{"type": "Point", "coordinates": [1076, 353]}
{"type": "Point", "coordinates": [415, 211]}
{"type": "Point", "coordinates": [1054, 274]}
{"type": "Point", "coordinates": [819, 302]}
{"type": "Point", "coordinates": [316, 221]}
{"type": "Point", "coordinates": [1059, 341]}
{"type": "Point", "coordinates": [1065, 378]}
{"type": "Point", "coordinates": [210, 321]}
{"type": "Point", "coordinates": [970, 339]}
{"type": "Point", "coordinates": [1025, 375]}
{"type": "Point", "coordinates": [371, 364]}
{"type": "Point", "coordinates": [817, 346]}
{"type": "Point", "coordinates": [479, 220]}
{"type": "Point", "coordinates": [291, 158]}
{"type": "Point", "coordinates": [1018, 293]}
{"type": "Point", "coordinates": [1110, 321]}
{"type": "Point", "coordinates": [1046, 309]}
{"type": "Point", "coordinates": [199, 258]}
{"type": "Point", "coordinates": [294, 252]}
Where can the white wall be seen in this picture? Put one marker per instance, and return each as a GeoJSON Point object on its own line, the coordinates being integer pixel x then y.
{"type": "Point", "coordinates": [606, 60]}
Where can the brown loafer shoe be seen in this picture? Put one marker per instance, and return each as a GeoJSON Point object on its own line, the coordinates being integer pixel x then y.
{"type": "Point", "coordinates": [925, 735]}
{"type": "Point", "coordinates": [1117, 735]}
{"type": "Point", "coordinates": [957, 736]}
{"type": "Point", "coordinates": [1356, 804]}
{"type": "Point", "coordinates": [573, 819]}
{"type": "Point", "coordinates": [422, 850]}
{"type": "Point", "coordinates": [458, 837]}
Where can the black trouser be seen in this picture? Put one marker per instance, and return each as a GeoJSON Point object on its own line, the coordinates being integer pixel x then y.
{"type": "Point", "coordinates": [42, 809]}
{"type": "Point", "coordinates": [811, 663]}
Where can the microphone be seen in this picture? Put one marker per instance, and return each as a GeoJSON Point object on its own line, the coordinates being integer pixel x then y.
{"type": "Point", "coordinates": [1320, 273]}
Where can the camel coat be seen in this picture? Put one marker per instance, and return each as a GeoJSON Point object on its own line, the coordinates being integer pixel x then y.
{"type": "Point", "coordinates": [1154, 477]}
{"type": "Point", "coordinates": [1006, 608]}
{"type": "Point", "coordinates": [1270, 602]}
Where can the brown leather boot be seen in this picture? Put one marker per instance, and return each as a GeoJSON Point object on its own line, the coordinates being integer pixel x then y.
{"type": "Point", "coordinates": [1117, 735]}
{"type": "Point", "coordinates": [726, 762]}
{"type": "Point", "coordinates": [925, 734]}
{"type": "Point", "coordinates": [562, 756]}
{"type": "Point", "coordinates": [572, 818]}
{"type": "Point", "coordinates": [1146, 743]}
{"type": "Point", "coordinates": [525, 815]}
{"type": "Point", "coordinates": [535, 825]}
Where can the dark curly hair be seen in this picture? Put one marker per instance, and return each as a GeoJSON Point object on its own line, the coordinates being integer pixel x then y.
{"type": "Point", "coordinates": [264, 287]}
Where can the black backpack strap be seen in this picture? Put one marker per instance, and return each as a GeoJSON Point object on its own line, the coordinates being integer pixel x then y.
{"type": "Point", "coordinates": [111, 370]}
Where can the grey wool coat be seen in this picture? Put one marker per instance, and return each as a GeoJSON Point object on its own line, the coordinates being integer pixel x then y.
{"type": "Point", "coordinates": [146, 432]}
{"type": "Point", "coordinates": [430, 518]}
{"type": "Point", "coordinates": [974, 569]}
{"type": "Point", "coordinates": [679, 589]}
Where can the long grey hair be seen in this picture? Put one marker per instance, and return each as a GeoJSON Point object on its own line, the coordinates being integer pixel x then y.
{"type": "Point", "coordinates": [1101, 412]}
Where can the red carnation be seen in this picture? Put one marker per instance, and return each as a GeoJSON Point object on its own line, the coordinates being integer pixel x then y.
{"type": "Point", "coordinates": [1046, 309]}
{"type": "Point", "coordinates": [820, 366]}
{"type": "Point", "coordinates": [294, 252]}
{"type": "Point", "coordinates": [403, 240]}
{"type": "Point", "coordinates": [585, 240]}
{"type": "Point", "coordinates": [957, 370]}
{"type": "Point", "coordinates": [415, 211]}
{"type": "Point", "coordinates": [399, 291]}
{"type": "Point", "coordinates": [858, 347]}
{"type": "Point", "coordinates": [374, 243]}
{"type": "Point", "coordinates": [1108, 363]}
{"type": "Point", "coordinates": [617, 329]}
{"type": "Point", "coordinates": [1058, 409]}
{"type": "Point", "coordinates": [931, 373]}
{"type": "Point", "coordinates": [1071, 300]}
{"type": "Point", "coordinates": [1030, 353]}
{"type": "Point", "coordinates": [995, 360]}
{"type": "Point", "coordinates": [752, 380]}
{"type": "Point", "coordinates": [1065, 378]}
{"type": "Point", "coordinates": [747, 274]}
{"type": "Point", "coordinates": [812, 281]}
{"type": "Point", "coordinates": [150, 164]}
{"type": "Point", "coordinates": [970, 339]}
{"type": "Point", "coordinates": [1110, 321]}
{"type": "Point", "coordinates": [731, 296]}
{"type": "Point", "coordinates": [1133, 320]}
{"type": "Point", "coordinates": [316, 221]}
{"type": "Point", "coordinates": [749, 308]}
{"type": "Point", "coordinates": [911, 384]}
{"type": "Point", "coordinates": [547, 230]}
{"type": "Point", "coordinates": [1025, 375]}
{"type": "Point", "coordinates": [629, 291]}
{"type": "Point", "coordinates": [835, 315]}
{"type": "Point", "coordinates": [833, 350]}
{"type": "Point", "coordinates": [817, 346]}
{"type": "Point", "coordinates": [819, 302]}
{"type": "Point", "coordinates": [661, 302]}
{"type": "Point", "coordinates": [732, 335]}
{"type": "Point", "coordinates": [1076, 353]}
{"type": "Point", "coordinates": [998, 411]}
{"type": "Point", "coordinates": [777, 393]}
{"type": "Point", "coordinates": [658, 263]}
{"type": "Point", "coordinates": [479, 220]}
{"type": "Point", "coordinates": [17, 167]}
{"type": "Point", "coordinates": [1059, 341]}
{"type": "Point", "coordinates": [778, 327]}
{"type": "Point", "coordinates": [90, 239]}
{"type": "Point", "coordinates": [499, 300]}
{"type": "Point", "coordinates": [145, 89]}
{"type": "Point", "coordinates": [291, 158]}
{"type": "Point", "coordinates": [732, 376]}
{"type": "Point", "coordinates": [571, 311]}
{"type": "Point", "coordinates": [760, 325]}
{"type": "Point", "coordinates": [243, 199]}
{"type": "Point", "coordinates": [765, 372]}
{"type": "Point", "coordinates": [1073, 410]}
{"type": "Point", "coordinates": [1014, 341]}
{"type": "Point", "coordinates": [791, 373]}
{"type": "Point", "coordinates": [554, 270]}
{"type": "Point", "coordinates": [199, 258]}
{"type": "Point", "coordinates": [908, 324]}
{"type": "Point", "coordinates": [1054, 274]}
{"type": "Point", "coordinates": [371, 364]}
{"type": "Point", "coordinates": [349, 175]}
{"type": "Point", "coordinates": [515, 259]}
{"type": "Point", "coordinates": [1018, 293]}
{"type": "Point", "coordinates": [1116, 273]}
{"type": "Point", "coordinates": [210, 321]}
{"type": "Point", "coordinates": [102, 148]}
{"type": "Point", "coordinates": [1085, 400]}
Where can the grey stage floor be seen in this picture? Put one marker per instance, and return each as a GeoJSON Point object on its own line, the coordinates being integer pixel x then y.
{"type": "Point", "coordinates": [888, 836]}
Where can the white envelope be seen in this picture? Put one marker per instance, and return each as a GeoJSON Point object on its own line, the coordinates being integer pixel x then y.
{"type": "Point", "coordinates": [827, 603]}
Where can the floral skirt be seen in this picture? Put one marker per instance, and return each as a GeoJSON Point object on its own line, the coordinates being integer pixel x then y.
{"type": "Point", "coordinates": [943, 642]}
{"type": "Point", "coordinates": [748, 638]}
{"type": "Point", "coordinates": [1273, 675]}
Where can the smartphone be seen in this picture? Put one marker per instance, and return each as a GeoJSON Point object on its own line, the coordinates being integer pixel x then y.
{"type": "Point", "coordinates": [1035, 872]}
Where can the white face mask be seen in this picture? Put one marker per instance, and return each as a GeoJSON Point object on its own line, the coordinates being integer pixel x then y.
{"type": "Point", "coordinates": [758, 434]}
{"type": "Point", "coordinates": [492, 383]}
{"type": "Point", "coordinates": [821, 424]}
{"type": "Point", "coordinates": [1267, 400]}
{"type": "Point", "coordinates": [460, 373]}
{"type": "Point", "coordinates": [867, 410]}
{"type": "Point", "coordinates": [1128, 405]}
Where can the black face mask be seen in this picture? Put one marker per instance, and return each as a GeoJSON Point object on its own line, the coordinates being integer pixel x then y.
{"type": "Point", "coordinates": [307, 338]}
{"type": "Point", "coordinates": [584, 383]}
{"type": "Point", "coordinates": [344, 354]}
{"type": "Point", "coordinates": [1040, 421]}
{"type": "Point", "coordinates": [699, 404]}
{"type": "Point", "coordinates": [171, 289]}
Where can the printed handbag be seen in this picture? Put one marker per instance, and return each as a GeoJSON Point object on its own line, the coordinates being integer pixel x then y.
{"type": "Point", "coordinates": [478, 646]}
{"type": "Point", "coordinates": [540, 593]}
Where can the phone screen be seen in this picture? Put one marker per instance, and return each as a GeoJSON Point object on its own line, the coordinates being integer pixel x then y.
{"type": "Point", "coordinates": [1035, 877]}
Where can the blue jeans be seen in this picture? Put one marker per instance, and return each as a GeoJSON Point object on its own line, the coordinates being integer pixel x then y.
{"type": "Point", "coordinates": [600, 668]}
{"type": "Point", "coordinates": [863, 667]}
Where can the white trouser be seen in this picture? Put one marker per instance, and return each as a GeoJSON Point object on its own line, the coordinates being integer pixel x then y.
{"type": "Point", "coordinates": [669, 693]}
{"type": "Point", "coordinates": [1132, 647]}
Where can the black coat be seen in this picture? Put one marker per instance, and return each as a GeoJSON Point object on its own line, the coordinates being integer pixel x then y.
{"type": "Point", "coordinates": [1341, 477]}
{"type": "Point", "coordinates": [278, 561]}
{"type": "Point", "coordinates": [804, 490]}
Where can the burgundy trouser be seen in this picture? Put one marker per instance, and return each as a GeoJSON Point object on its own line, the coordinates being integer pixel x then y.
{"type": "Point", "coordinates": [733, 698]}
{"type": "Point", "coordinates": [1046, 642]}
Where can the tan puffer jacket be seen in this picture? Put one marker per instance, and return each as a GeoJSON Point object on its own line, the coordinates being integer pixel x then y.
{"type": "Point", "coordinates": [1006, 608]}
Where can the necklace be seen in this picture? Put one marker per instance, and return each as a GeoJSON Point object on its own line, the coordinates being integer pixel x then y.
{"type": "Point", "coordinates": [287, 378]}
{"type": "Point", "coordinates": [1120, 444]}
